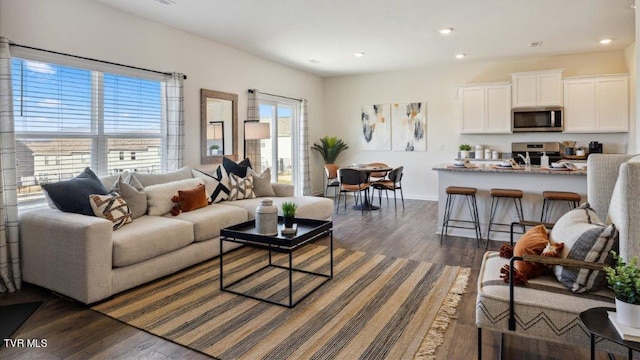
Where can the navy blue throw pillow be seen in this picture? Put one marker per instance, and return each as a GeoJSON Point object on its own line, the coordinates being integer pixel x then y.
{"type": "Point", "coordinates": [73, 195]}
{"type": "Point", "coordinates": [239, 169]}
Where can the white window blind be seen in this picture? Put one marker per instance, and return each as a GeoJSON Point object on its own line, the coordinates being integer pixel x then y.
{"type": "Point", "coordinates": [69, 118]}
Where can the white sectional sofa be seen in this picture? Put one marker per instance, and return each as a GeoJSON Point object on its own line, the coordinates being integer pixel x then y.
{"type": "Point", "coordinates": [83, 258]}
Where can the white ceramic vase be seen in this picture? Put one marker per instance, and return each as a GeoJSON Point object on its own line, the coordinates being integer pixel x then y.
{"type": "Point", "coordinates": [628, 314]}
{"type": "Point", "coordinates": [464, 154]}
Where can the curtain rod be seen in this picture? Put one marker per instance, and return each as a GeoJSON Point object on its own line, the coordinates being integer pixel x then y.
{"type": "Point", "coordinates": [286, 97]}
{"type": "Point", "coordinates": [96, 60]}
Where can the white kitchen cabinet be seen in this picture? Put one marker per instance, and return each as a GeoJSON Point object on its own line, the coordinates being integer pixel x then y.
{"type": "Point", "coordinates": [596, 104]}
{"type": "Point", "coordinates": [485, 108]}
{"type": "Point", "coordinates": [537, 88]}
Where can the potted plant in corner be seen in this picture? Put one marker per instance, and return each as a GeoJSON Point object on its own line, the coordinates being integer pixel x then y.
{"type": "Point", "coordinates": [464, 151]}
{"type": "Point", "coordinates": [624, 279]}
{"type": "Point", "coordinates": [288, 213]}
{"type": "Point", "coordinates": [329, 148]}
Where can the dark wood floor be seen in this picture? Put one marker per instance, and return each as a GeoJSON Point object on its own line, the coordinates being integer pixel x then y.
{"type": "Point", "coordinates": [75, 332]}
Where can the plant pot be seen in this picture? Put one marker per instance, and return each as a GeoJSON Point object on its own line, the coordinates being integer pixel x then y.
{"type": "Point", "coordinates": [464, 154]}
{"type": "Point", "coordinates": [288, 222]}
{"type": "Point", "coordinates": [628, 314]}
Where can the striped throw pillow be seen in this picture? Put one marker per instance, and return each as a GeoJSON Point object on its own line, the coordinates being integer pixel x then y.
{"type": "Point", "coordinates": [585, 238]}
{"type": "Point", "coordinates": [241, 187]}
{"type": "Point", "coordinates": [111, 207]}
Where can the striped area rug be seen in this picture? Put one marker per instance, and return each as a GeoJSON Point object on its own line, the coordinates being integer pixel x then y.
{"type": "Point", "coordinates": [375, 307]}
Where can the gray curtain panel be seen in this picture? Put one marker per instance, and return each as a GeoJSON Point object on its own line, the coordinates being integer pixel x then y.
{"type": "Point", "coordinates": [252, 150]}
{"type": "Point", "coordinates": [303, 150]}
{"type": "Point", "coordinates": [10, 277]}
{"type": "Point", "coordinates": [175, 121]}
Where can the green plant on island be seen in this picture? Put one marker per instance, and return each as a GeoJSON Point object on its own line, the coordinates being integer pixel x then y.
{"type": "Point", "coordinates": [624, 279]}
{"type": "Point", "coordinates": [464, 147]}
{"type": "Point", "coordinates": [329, 148]}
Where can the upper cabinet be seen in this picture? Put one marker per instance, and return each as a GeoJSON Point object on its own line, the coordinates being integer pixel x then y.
{"type": "Point", "coordinates": [485, 108]}
{"type": "Point", "coordinates": [596, 104]}
{"type": "Point", "coordinates": [537, 88]}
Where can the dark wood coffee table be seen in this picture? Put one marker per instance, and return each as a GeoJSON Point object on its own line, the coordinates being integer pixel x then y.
{"type": "Point", "coordinates": [309, 231]}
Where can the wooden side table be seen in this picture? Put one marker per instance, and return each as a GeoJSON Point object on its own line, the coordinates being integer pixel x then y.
{"type": "Point", "coordinates": [597, 322]}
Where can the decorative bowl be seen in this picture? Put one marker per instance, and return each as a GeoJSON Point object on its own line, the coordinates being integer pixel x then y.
{"type": "Point", "coordinates": [557, 165]}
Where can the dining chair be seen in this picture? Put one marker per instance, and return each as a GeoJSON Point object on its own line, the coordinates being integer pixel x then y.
{"type": "Point", "coordinates": [331, 179]}
{"type": "Point", "coordinates": [354, 181]}
{"type": "Point", "coordinates": [377, 175]}
{"type": "Point", "coordinates": [394, 183]}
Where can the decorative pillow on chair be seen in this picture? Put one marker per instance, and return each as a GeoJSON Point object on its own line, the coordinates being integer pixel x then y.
{"type": "Point", "coordinates": [111, 207]}
{"type": "Point", "coordinates": [189, 200]}
{"type": "Point", "coordinates": [159, 196]}
{"type": "Point", "coordinates": [534, 242]}
{"type": "Point", "coordinates": [239, 169]}
{"type": "Point", "coordinates": [73, 195]}
{"type": "Point", "coordinates": [241, 188]}
{"type": "Point", "coordinates": [217, 184]}
{"type": "Point", "coordinates": [586, 238]}
{"type": "Point", "coordinates": [262, 183]}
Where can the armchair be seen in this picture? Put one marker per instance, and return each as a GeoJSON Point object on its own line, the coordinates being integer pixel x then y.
{"type": "Point", "coordinates": [545, 309]}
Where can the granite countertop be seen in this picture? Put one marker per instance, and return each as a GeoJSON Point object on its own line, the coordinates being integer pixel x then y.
{"type": "Point", "coordinates": [480, 168]}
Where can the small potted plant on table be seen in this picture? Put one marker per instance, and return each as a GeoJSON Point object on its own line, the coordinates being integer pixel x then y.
{"type": "Point", "coordinates": [624, 279]}
{"type": "Point", "coordinates": [464, 151]}
{"type": "Point", "coordinates": [288, 212]}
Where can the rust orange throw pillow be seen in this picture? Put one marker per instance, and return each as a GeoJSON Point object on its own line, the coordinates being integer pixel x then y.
{"type": "Point", "coordinates": [533, 242]}
{"type": "Point", "coordinates": [188, 200]}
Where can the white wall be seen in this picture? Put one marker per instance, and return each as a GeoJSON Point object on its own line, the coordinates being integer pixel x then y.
{"type": "Point", "coordinates": [344, 97]}
{"type": "Point", "coordinates": [89, 29]}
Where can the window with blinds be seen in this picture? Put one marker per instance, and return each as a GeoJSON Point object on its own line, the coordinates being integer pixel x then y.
{"type": "Point", "coordinates": [70, 118]}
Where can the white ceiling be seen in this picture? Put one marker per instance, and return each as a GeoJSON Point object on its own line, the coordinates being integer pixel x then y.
{"type": "Point", "coordinates": [395, 34]}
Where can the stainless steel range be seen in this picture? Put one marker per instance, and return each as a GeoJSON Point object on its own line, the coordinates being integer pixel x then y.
{"type": "Point", "coordinates": [535, 149]}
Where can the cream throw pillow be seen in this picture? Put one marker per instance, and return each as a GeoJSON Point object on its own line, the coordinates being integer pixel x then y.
{"type": "Point", "coordinates": [159, 196]}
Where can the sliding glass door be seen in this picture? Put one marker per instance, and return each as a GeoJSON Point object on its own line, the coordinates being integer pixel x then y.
{"type": "Point", "coordinates": [278, 152]}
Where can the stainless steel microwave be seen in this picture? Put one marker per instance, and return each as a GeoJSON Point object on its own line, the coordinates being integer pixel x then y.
{"type": "Point", "coordinates": [538, 119]}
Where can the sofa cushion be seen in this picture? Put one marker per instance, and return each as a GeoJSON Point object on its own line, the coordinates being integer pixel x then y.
{"type": "Point", "coordinates": [148, 237]}
{"type": "Point", "coordinates": [585, 238]}
{"type": "Point", "coordinates": [239, 169]}
{"type": "Point", "coordinates": [241, 187]}
{"type": "Point", "coordinates": [133, 193]}
{"type": "Point", "coordinates": [193, 199]}
{"type": "Point", "coordinates": [111, 207]}
{"type": "Point", "coordinates": [73, 195]}
{"type": "Point", "coordinates": [262, 183]}
{"type": "Point", "coordinates": [147, 179]}
{"type": "Point", "coordinates": [309, 207]}
{"type": "Point", "coordinates": [217, 184]}
{"type": "Point", "coordinates": [159, 196]}
{"type": "Point", "coordinates": [208, 220]}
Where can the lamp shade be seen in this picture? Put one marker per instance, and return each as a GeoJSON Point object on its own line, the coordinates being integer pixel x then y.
{"type": "Point", "coordinates": [256, 130]}
{"type": "Point", "coordinates": [214, 131]}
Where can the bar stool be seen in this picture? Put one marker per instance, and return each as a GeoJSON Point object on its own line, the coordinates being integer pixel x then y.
{"type": "Point", "coordinates": [496, 195]}
{"type": "Point", "coordinates": [470, 195]}
{"type": "Point", "coordinates": [571, 198]}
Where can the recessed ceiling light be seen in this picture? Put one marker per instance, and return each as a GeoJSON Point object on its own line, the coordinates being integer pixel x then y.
{"type": "Point", "coordinates": [446, 31]}
{"type": "Point", "coordinates": [315, 61]}
{"type": "Point", "coordinates": [605, 41]}
{"type": "Point", "coordinates": [359, 54]}
{"type": "Point", "coordinates": [460, 56]}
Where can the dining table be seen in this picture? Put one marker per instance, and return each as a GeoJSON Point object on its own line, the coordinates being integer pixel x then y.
{"type": "Point", "coordinates": [368, 206]}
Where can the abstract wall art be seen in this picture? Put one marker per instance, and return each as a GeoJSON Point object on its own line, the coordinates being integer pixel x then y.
{"type": "Point", "coordinates": [376, 127]}
{"type": "Point", "coordinates": [409, 126]}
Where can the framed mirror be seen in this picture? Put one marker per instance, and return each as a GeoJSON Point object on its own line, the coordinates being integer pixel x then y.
{"type": "Point", "coordinates": [219, 126]}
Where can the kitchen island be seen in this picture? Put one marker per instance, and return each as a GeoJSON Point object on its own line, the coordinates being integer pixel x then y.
{"type": "Point", "coordinates": [532, 182]}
